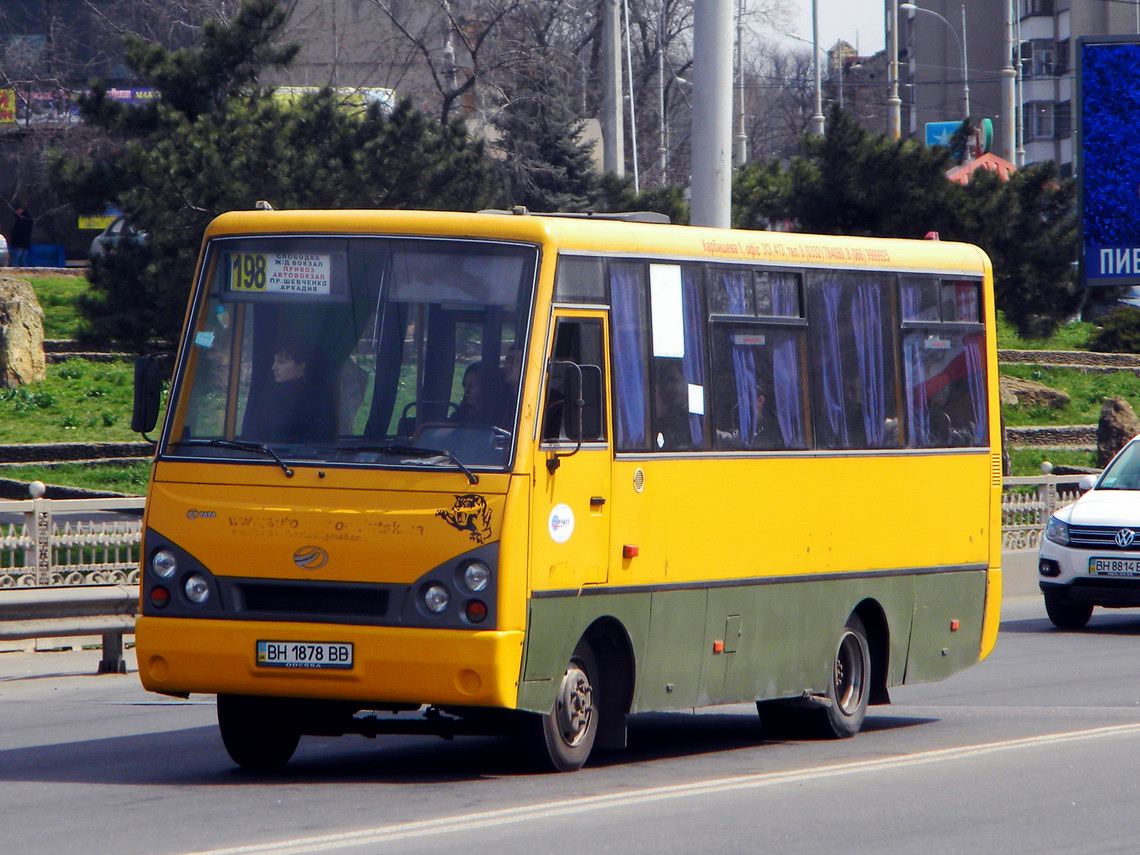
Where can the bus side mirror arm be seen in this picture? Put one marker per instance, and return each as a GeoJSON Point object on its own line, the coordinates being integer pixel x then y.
{"type": "Point", "coordinates": [579, 404]}
{"type": "Point", "coordinates": [148, 394]}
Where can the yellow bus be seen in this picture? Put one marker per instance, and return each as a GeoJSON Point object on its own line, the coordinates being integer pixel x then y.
{"type": "Point", "coordinates": [462, 473]}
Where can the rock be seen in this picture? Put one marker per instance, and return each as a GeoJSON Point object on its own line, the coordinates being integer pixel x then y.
{"type": "Point", "coordinates": [1017, 392]}
{"type": "Point", "coordinates": [1118, 424]}
{"type": "Point", "coordinates": [21, 334]}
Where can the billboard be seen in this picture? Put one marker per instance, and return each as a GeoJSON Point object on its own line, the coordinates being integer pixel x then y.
{"type": "Point", "coordinates": [1108, 158]}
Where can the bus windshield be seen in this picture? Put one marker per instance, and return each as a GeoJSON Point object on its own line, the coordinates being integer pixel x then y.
{"type": "Point", "coordinates": [355, 350]}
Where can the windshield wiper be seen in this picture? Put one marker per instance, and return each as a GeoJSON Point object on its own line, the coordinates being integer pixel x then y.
{"type": "Point", "coordinates": [242, 446]}
{"type": "Point", "coordinates": [416, 451]}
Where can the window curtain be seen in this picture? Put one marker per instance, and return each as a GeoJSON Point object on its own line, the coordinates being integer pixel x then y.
{"type": "Point", "coordinates": [736, 284]}
{"type": "Point", "coordinates": [786, 372]}
{"type": "Point", "coordinates": [976, 377]}
{"type": "Point", "coordinates": [867, 322]}
{"type": "Point", "coordinates": [831, 368]}
{"type": "Point", "coordinates": [914, 373]}
{"type": "Point", "coordinates": [630, 382]}
{"type": "Point", "coordinates": [694, 368]}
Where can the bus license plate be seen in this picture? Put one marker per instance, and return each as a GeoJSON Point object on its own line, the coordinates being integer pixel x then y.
{"type": "Point", "coordinates": [1114, 566]}
{"type": "Point", "coordinates": [304, 654]}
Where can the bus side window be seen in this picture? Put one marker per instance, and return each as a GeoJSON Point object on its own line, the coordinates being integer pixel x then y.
{"type": "Point", "coordinates": [577, 342]}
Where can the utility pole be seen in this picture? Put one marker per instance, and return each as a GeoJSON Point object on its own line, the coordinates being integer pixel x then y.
{"type": "Point", "coordinates": [613, 117]}
{"type": "Point", "coordinates": [1008, 91]}
{"type": "Point", "coordinates": [712, 113]}
{"type": "Point", "coordinates": [894, 103]}
{"type": "Point", "coordinates": [740, 153]}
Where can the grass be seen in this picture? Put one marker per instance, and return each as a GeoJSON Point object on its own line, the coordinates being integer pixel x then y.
{"type": "Point", "coordinates": [130, 478]}
{"type": "Point", "coordinates": [1070, 336]}
{"type": "Point", "coordinates": [1086, 391]}
{"type": "Point", "coordinates": [80, 401]}
{"type": "Point", "coordinates": [58, 297]}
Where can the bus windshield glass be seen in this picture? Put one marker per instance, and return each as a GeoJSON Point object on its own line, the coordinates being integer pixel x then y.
{"type": "Point", "coordinates": [355, 350]}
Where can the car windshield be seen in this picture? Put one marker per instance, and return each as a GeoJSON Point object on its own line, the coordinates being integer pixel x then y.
{"type": "Point", "coordinates": [355, 350]}
{"type": "Point", "coordinates": [1123, 473]}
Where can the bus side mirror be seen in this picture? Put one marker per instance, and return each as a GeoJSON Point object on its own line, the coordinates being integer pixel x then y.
{"type": "Point", "coordinates": [148, 394]}
{"type": "Point", "coordinates": [582, 414]}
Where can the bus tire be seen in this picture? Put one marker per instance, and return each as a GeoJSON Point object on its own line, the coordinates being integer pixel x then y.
{"type": "Point", "coordinates": [1065, 614]}
{"type": "Point", "coordinates": [564, 737]}
{"type": "Point", "coordinates": [254, 735]}
{"type": "Point", "coordinates": [849, 687]}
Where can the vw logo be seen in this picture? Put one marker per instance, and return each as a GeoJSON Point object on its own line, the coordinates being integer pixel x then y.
{"type": "Point", "coordinates": [1125, 537]}
{"type": "Point", "coordinates": [310, 558]}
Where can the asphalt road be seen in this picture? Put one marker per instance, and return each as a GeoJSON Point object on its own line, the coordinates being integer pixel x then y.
{"type": "Point", "coordinates": [1031, 751]}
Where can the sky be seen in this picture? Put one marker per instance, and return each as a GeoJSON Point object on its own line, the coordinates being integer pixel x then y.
{"type": "Point", "coordinates": [856, 21]}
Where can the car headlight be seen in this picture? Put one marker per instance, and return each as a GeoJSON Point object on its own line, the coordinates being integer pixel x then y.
{"type": "Point", "coordinates": [1057, 531]}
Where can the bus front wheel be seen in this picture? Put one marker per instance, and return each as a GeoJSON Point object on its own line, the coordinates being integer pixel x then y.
{"type": "Point", "coordinates": [254, 732]}
{"type": "Point", "coordinates": [565, 737]}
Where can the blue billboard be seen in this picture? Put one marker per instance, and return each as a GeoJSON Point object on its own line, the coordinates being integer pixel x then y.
{"type": "Point", "coordinates": [1108, 158]}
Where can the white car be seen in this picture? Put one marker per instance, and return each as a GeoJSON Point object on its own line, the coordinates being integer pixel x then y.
{"type": "Point", "coordinates": [1090, 554]}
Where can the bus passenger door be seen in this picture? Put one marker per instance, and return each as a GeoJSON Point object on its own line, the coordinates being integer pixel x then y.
{"type": "Point", "coordinates": [572, 469]}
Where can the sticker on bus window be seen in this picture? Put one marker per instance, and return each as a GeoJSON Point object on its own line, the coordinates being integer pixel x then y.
{"type": "Point", "coordinates": [934, 342]}
{"type": "Point", "coordinates": [696, 399]}
{"type": "Point", "coordinates": [302, 273]}
{"type": "Point", "coordinates": [561, 523]}
{"type": "Point", "coordinates": [749, 339]}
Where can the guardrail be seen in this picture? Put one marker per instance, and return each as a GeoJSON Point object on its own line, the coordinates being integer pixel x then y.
{"type": "Point", "coordinates": [66, 577]}
{"type": "Point", "coordinates": [70, 575]}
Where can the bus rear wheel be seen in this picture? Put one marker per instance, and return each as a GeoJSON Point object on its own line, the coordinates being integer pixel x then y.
{"type": "Point", "coordinates": [564, 738]}
{"type": "Point", "coordinates": [840, 713]}
{"type": "Point", "coordinates": [254, 732]}
{"type": "Point", "coordinates": [849, 688]}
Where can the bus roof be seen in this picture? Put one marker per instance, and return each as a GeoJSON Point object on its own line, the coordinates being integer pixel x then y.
{"type": "Point", "coordinates": [610, 236]}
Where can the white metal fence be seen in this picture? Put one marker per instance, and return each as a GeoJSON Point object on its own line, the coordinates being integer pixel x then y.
{"type": "Point", "coordinates": [40, 547]}
{"type": "Point", "coordinates": [1028, 502]}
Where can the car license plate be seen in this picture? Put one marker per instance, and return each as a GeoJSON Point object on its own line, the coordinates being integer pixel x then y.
{"type": "Point", "coordinates": [1114, 566]}
{"type": "Point", "coordinates": [304, 654]}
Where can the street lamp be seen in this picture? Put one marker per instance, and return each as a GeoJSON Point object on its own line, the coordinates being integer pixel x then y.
{"type": "Point", "coordinates": [911, 7]}
{"type": "Point", "coordinates": [817, 120]}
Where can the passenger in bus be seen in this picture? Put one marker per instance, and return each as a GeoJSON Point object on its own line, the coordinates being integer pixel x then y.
{"type": "Point", "coordinates": [479, 405]}
{"type": "Point", "coordinates": [296, 409]}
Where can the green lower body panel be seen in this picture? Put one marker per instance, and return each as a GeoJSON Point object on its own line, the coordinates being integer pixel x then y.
{"type": "Point", "coordinates": [723, 643]}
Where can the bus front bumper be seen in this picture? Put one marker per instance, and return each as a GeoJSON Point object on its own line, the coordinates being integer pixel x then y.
{"type": "Point", "coordinates": [390, 664]}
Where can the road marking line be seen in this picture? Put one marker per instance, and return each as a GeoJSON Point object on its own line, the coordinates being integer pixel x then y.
{"type": "Point", "coordinates": [549, 810]}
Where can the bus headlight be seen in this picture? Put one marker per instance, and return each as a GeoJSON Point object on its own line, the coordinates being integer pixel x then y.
{"type": "Point", "coordinates": [1057, 531]}
{"type": "Point", "coordinates": [163, 564]}
{"type": "Point", "coordinates": [436, 598]}
{"type": "Point", "coordinates": [197, 589]}
{"type": "Point", "coordinates": [477, 576]}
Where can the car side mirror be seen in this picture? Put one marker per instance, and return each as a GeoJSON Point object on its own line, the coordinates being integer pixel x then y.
{"type": "Point", "coordinates": [1086, 483]}
{"type": "Point", "coordinates": [148, 395]}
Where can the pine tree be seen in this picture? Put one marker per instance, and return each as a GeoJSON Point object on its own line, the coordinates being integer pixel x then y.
{"type": "Point", "coordinates": [215, 140]}
{"type": "Point", "coordinates": [545, 164]}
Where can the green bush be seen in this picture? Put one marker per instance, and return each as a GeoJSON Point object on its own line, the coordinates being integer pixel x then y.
{"type": "Point", "coordinates": [1119, 332]}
